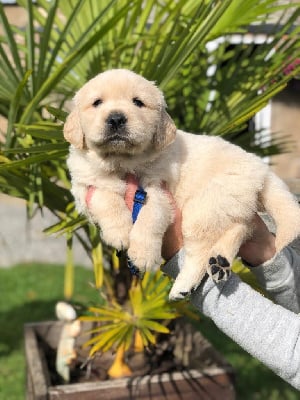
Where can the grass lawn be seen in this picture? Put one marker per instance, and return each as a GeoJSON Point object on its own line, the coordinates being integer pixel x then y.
{"type": "Point", "coordinates": [29, 293]}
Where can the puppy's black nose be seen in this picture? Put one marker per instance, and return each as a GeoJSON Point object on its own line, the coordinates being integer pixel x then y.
{"type": "Point", "coordinates": [116, 120]}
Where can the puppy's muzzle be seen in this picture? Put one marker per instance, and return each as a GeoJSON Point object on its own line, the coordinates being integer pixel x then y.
{"type": "Point", "coordinates": [116, 121]}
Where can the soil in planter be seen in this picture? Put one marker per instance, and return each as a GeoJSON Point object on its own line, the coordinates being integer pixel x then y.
{"type": "Point", "coordinates": [184, 349]}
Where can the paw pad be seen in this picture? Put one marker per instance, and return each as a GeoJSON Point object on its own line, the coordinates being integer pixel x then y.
{"type": "Point", "coordinates": [219, 268]}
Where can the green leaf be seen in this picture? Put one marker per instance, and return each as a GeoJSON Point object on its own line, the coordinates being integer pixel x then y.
{"type": "Point", "coordinates": [42, 148]}
{"type": "Point", "coordinates": [42, 71]}
{"type": "Point", "coordinates": [66, 225]}
{"type": "Point", "coordinates": [43, 130]}
{"type": "Point", "coordinates": [14, 107]}
{"type": "Point", "coordinates": [154, 326]}
{"type": "Point", "coordinates": [97, 255]}
{"type": "Point", "coordinates": [11, 40]}
{"type": "Point", "coordinates": [40, 158]}
{"type": "Point", "coordinates": [57, 113]}
{"type": "Point", "coordinates": [69, 269]}
{"type": "Point", "coordinates": [30, 44]}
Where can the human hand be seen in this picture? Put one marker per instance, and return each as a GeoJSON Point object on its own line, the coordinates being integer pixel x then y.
{"type": "Point", "coordinates": [260, 247]}
{"type": "Point", "coordinates": [173, 240]}
{"type": "Point", "coordinates": [131, 187]}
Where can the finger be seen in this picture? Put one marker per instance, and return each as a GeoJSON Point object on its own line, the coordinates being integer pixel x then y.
{"type": "Point", "coordinates": [89, 195]}
{"type": "Point", "coordinates": [131, 187]}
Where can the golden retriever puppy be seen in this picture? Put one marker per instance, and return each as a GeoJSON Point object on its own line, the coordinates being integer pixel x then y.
{"type": "Point", "coordinates": [119, 125]}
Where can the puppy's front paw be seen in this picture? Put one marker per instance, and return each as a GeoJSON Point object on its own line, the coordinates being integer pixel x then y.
{"type": "Point", "coordinates": [117, 236]}
{"type": "Point", "coordinates": [145, 258]}
{"type": "Point", "coordinates": [219, 268]}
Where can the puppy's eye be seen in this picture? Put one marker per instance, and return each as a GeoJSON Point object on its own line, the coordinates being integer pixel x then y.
{"type": "Point", "coordinates": [97, 102]}
{"type": "Point", "coordinates": [137, 102]}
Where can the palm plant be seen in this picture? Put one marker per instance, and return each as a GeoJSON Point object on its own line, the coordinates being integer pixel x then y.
{"type": "Point", "coordinates": [148, 306]}
{"type": "Point", "coordinates": [209, 89]}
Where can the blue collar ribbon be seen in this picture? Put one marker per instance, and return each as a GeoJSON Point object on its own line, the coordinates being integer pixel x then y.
{"type": "Point", "coordinates": [138, 202]}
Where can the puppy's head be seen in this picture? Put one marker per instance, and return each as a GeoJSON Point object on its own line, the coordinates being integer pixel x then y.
{"type": "Point", "coordinates": [119, 112]}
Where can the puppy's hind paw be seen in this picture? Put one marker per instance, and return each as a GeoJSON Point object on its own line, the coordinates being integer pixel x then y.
{"type": "Point", "coordinates": [219, 268]}
{"type": "Point", "coordinates": [180, 290]}
{"type": "Point", "coordinates": [186, 282]}
{"type": "Point", "coordinates": [174, 295]}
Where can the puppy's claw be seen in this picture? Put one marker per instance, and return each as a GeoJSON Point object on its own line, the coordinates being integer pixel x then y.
{"type": "Point", "coordinates": [178, 296]}
{"type": "Point", "coordinates": [133, 269]}
{"type": "Point", "coordinates": [184, 294]}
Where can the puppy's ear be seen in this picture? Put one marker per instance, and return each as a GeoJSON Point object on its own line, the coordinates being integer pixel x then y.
{"type": "Point", "coordinates": [72, 130]}
{"type": "Point", "coordinates": [166, 131]}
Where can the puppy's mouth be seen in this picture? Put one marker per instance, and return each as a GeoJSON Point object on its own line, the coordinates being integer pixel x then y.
{"type": "Point", "coordinates": [114, 140]}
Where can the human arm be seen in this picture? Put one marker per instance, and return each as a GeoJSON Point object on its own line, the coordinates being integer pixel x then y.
{"type": "Point", "coordinates": [280, 278]}
{"type": "Point", "coordinates": [266, 330]}
{"type": "Point", "coordinates": [278, 275]}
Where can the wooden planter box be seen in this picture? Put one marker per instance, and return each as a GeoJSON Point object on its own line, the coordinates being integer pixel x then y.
{"type": "Point", "coordinates": [213, 383]}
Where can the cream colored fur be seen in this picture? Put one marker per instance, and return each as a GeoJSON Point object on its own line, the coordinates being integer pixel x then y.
{"type": "Point", "coordinates": [217, 185]}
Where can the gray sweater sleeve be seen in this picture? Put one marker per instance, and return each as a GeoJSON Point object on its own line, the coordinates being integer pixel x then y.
{"type": "Point", "coordinates": [280, 277]}
{"type": "Point", "coordinates": [266, 330]}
